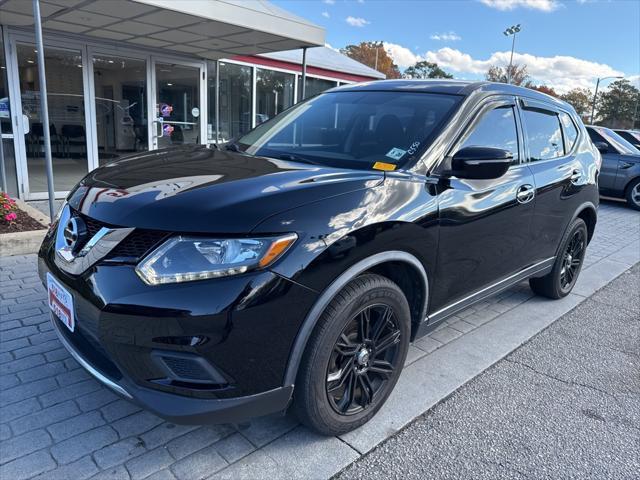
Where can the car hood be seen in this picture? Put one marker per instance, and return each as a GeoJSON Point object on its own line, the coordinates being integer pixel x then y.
{"type": "Point", "coordinates": [204, 190]}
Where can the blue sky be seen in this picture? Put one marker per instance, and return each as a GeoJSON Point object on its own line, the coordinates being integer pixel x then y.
{"type": "Point", "coordinates": [565, 43]}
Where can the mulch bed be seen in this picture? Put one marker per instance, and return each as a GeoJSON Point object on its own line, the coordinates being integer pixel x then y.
{"type": "Point", "coordinates": [24, 223]}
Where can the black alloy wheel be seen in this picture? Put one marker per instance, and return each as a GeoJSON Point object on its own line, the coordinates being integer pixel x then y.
{"type": "Point", "coordinates": [365, 356]}
{"type": "Point", "coordinates": [572, 259]}
{"type": "Point", "coordinates": [560, 281]}
{"type": "Point", "coordinates": [354, 356]}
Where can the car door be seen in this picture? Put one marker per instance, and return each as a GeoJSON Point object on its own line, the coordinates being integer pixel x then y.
{"type": "Point", "coordinates": [609, 168]}
{"type": "Point", "coordinates": [551, 137]}
{"type": "Point", "coordinates": [484, 224]}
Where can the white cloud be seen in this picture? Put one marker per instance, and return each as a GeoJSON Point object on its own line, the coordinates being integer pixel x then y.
{"type": "Point", "coordinates": [402, 56]}
{"type": "Point", "coordinates": [356, 21]}
{"type": "Point", "coordinates": [325, 14]}
{"type": "Point", "coordinates": [542, 5]}
{"type": "Point", "coordinates": [560, 72]}
{"type": "Point", "coordinates": [329, 2]}
{"type": "Point", "coordinates": [447, 37]}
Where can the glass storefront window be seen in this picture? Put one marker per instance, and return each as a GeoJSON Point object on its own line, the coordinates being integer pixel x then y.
{"type": "Point", "coordinates": [235, 100]}
{"type": "Point", "coordinates": [274, 93]}
{"type": "Point", "coordinates": [66, 115]}
{"type": "Point", "coordinates": [8, 157]}
{"type": "Point", "coordinates": [315, 85]}
{"type": "Point", "coordinates": [121, 106]}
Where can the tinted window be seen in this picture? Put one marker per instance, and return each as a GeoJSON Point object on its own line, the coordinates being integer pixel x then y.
{"type": "Point", "coordinates": [352, 129]}
{"type": "Point", "coordinates": [615, 142]}
{"type": "Point", "coordinates": [570, 131]}
{"type": "Point", "coordinates": [544, 136]}
{"type": "Point", "coordinates": [497, 129]}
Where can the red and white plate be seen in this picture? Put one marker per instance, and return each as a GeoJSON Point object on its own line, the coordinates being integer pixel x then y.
{"type": "Point", "coordinates": [60, 302]}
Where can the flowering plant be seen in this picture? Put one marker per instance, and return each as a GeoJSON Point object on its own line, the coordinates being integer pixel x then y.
{"type": "Point", "coordinates": [7, 209]}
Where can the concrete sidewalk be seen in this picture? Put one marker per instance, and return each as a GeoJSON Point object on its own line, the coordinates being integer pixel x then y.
{"type": "Point", "coordinates": [57, 422]}
{"type": "Point", "coordinates": [564, 405]}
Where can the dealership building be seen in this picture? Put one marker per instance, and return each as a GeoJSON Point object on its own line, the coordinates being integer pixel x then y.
{"type": "Point", "coordinates": [133, 75]}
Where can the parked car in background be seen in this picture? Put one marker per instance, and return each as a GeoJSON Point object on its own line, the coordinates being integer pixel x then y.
{"type": "Point", "coordinates": [620, 174]}
{"type": "Point", "coordinates": [631, 136]}
{"type": "Point", "coordinates": [295, 265]}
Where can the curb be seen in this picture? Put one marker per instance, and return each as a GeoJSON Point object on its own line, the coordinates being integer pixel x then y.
{"type": "Point", "coordinates": [22, 243]}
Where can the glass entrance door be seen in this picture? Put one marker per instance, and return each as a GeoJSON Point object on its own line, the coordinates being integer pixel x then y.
{"type": "Point", "coordinates": [67, 123]}
{"type": "Point", "coordinates": [120, 85]}
{"type": "Point", "coordinates": [177, 104]}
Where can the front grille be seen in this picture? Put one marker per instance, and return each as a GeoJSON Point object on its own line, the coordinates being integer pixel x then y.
{"type": "Point", "coordinates": [186, 369]}
{"type": "Point", "coordinates": [135, 246]}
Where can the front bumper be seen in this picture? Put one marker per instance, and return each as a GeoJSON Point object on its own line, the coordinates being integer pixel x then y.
{"type": "Point", "coordinates": [245, 327]}
{"type": "Point", "coordinates": [185, 410]}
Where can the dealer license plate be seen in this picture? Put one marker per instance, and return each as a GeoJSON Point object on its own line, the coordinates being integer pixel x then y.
{"type": "Point", "coordinates": [60, 302]}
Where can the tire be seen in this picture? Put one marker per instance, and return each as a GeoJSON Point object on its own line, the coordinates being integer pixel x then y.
{"type": "Point", "coordinates": [632, 194]}
{"type": "Point", "coordinates": [337, 358]}
{"type": "Point", "coordinates": [557, 284]}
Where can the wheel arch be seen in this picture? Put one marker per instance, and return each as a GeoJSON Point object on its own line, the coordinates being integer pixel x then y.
{"type": "Point", "coordinates": [381, 263]}
{"type": "Point", "coordinates": [588, 213]}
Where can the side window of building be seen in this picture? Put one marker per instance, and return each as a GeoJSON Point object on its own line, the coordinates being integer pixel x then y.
{"type": "Point", "coordinates": [544, 136]}
{"type": "Point", "coordinates": [570, 131]}
{"type": "Point", "coordinates": [497, 129]}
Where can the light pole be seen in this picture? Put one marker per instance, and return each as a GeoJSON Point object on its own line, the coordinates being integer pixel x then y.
{"type": "Point", "coordinates": [595, 96]}
{"type": "Point", "coordinates": [511, 31]}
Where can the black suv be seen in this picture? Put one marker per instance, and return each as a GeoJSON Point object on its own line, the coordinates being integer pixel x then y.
{"type": "Point", "coordinates": [206, 283]}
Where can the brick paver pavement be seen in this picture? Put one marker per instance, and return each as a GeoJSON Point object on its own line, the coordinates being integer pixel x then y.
{"type": "Point", "coordinates": [58, 422]}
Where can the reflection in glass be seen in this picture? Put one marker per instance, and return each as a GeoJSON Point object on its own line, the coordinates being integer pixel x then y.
{"type": "Point", "coordinates": [212, 99]}
{"type": "Point", "coordinates": [274, 93]}
{"type": "Point", "coordinates": [121, 106]}
{"type": "Point", "coordinates": [177, 105]}
{"type": "Point", "coordinates": [66, 115]}
{"type": "Point", "coordinates": [235, 100]}
{"type": "Point", "coordinates": [315, 86]}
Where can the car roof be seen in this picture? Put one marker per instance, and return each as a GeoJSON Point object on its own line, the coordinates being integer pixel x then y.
{"type": "Point", "coordinates": [452, 87]}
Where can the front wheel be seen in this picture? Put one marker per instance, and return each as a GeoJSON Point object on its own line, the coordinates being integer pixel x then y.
{"type": "Point", "coordinates": [562, 278]}
{"type": "Point", "coordinates": [354, 356]}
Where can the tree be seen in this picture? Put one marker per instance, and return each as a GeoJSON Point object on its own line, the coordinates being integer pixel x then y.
{"type": "Point", "coordinates": [616, 106]}
{"type": "Point", "coordinates": [425, 69]}
{"type": "Point", "coordinates": [580, 99]}
{"type": "Point", "coordinates": [519, 75]}
{"type": "Point", "coordinates": [366, 53]}
{"type": "Point", "coordinates": [545, 89]}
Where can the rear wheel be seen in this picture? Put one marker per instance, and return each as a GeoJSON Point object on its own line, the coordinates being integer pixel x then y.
{"type": "Point", "coordinates": [354, 356]}
{"type": "Point", "coordinates": [560, 281]}
{"type": "Point", "coordinates": [633, 194]}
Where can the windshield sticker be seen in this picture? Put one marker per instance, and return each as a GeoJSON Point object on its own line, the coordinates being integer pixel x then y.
{"type": "Point", "coordinates": [387, 167]}
{"type": "Point", "coordinates": [413, 148]}
{"type": "Point", "coordinates": [396, 153]}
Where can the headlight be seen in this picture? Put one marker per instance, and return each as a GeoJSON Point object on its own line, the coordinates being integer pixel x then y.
{"type": "Point", "coordinates": [183, 259]}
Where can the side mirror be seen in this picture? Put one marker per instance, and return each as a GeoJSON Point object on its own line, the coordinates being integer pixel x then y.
{"type": "Point", "coordinates": [602, 147]}
{"type": "Point", "coordinates": [480, 163]}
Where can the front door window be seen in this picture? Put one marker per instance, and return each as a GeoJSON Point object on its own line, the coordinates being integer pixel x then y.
{"type": "Point", "coordinates": [177, 105]}
{"type": "Point", "coordinates": [67, 126]}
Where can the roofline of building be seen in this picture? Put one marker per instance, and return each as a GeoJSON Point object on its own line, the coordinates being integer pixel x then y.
{"type": "Point", "coordinates": [311, 70]}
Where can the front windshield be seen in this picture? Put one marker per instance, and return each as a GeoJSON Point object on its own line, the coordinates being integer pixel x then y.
{"type": "Point", "coordinates": [618, 142]}
{"type": "Point", "coordinates": [353, 129]}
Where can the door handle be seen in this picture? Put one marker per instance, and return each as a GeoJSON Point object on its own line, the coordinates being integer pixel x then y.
{"type": "Point", "coordinates": [525, 193]}
{"type": "Point", "coordinates": [575, 176]}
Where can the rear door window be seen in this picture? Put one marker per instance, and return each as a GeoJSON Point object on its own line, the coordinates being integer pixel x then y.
{"type": "Point", "coordinates": [543, 133]}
